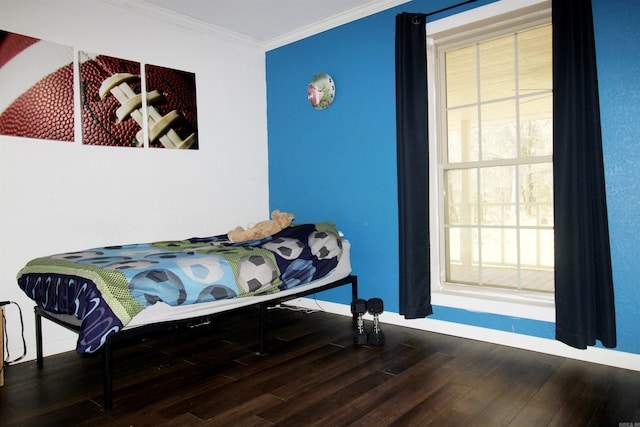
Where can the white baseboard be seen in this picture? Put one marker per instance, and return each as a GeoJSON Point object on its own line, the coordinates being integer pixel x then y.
{"type": "Point", "coordinates": [48, 348]}
{"type": "Point", "coordinates": [618, 359]}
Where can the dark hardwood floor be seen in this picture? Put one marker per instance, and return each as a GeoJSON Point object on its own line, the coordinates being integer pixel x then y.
{"type": "Point", "coordinates": [313, 375]}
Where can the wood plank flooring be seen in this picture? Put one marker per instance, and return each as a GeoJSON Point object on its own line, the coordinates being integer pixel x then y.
{"type": "Point", "coordinates": [314, 376]}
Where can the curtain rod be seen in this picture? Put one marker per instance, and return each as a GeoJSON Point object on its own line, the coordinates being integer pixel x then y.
{"type": "Point", "coordinates": [444, 9]}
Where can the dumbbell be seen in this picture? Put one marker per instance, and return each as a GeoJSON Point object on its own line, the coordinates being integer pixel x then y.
{"type": "Point", "coordinates": [359, 308]}
{"type": "Point", "coordinates": [375, 306]}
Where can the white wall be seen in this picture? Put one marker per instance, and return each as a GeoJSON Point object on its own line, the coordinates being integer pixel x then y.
{"type": "Point", "coordinates": [59, 197]}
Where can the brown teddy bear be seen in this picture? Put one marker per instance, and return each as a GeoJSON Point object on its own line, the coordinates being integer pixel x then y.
{"type": "Point", "coordinates": [279, 221]}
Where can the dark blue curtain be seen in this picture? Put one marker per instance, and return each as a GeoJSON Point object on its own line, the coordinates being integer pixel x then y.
{"type": "Point", "coordinates": [585, 309]}
{"type": "Point", "coordinates": [413, 165]}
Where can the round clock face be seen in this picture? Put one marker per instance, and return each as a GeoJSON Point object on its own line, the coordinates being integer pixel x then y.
{"type": "Point", "coordinates": [321, 91]}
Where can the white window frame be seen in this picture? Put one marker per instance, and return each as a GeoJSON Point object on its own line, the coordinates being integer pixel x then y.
{"type": "Point", "coordinates": [494, 16]}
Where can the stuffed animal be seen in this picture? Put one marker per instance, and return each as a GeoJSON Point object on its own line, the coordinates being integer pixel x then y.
{"type": "Point", "coordinates": [279, 221]}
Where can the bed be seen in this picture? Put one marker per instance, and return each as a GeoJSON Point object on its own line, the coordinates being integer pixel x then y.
{"type": "Point", "coordinates": [110, 294]}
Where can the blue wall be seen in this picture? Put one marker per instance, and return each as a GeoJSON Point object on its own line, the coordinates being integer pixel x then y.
{"type": "Point", "coordinates": [617, 31]}
{"type": "Point", "coordinates": [340, 163]}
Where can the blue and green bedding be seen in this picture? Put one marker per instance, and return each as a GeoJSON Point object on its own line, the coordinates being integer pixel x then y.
{"type": "Point", "coordinates": [106, 287]}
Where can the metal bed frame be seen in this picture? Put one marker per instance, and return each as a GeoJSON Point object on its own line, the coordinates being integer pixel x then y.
{"type": "Point", "coordinates": [141, 331]}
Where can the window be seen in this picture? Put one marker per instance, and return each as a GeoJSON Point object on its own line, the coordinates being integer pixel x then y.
{"type": "Point", "coordinates": [491, 150]}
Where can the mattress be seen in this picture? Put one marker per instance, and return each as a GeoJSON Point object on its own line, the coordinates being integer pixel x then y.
{"type": "Point", "coordinates": [125, 286]}
{"type": "Point", "coordinates": [162, 312]}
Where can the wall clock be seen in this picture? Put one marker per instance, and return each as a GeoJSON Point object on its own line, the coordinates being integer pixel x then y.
{"type": "Point", "coordinates": [321, 91]}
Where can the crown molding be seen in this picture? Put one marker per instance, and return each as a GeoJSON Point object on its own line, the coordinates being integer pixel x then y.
{"type": "Point", "coordinates": [332, 22]}
{"type": "Point", "coordinates": [144, 8]}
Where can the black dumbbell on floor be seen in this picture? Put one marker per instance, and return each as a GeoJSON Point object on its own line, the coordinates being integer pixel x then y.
{"type": "Point", "coordinates": [359, 308]}
{"type": "Point", "coordinates": [375, 306]}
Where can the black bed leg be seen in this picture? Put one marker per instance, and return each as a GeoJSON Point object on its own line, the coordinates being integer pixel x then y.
{"type": "Point", "coordinates": [354, 296]}
{"type": "Point", "coordinates": [354, 287]}
{"type": "Point", "coordinates": [107, 381]}
{"type": "Point", "coordinates": [263, 329]}
{"type": "Point", "coordinates": [39, 358]}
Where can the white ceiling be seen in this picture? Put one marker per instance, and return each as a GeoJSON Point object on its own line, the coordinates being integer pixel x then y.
{"type": "Point", "coordinates": [265, 21]}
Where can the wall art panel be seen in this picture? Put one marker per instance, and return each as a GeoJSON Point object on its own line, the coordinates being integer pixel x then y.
{"type": "Point", "coordinates": [111, 100]}
{"type": "Point", "coordinates": [171, 107]}
{"type": "Point", "coordinates": [36, 88]}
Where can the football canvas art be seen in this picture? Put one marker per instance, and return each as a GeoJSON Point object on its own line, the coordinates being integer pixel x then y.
{"type": "Point", "coordinates": [115, 108]}
{"type": "Point", "coordinates": [36, 88]}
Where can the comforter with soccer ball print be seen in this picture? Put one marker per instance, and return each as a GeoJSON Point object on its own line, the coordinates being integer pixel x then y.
{"type": "Point", "coordinates": [105, 287]}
